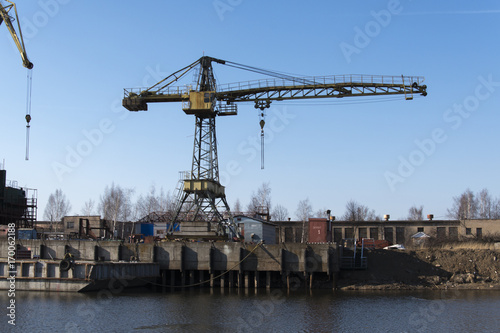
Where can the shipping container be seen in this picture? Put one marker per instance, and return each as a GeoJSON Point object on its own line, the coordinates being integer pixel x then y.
{"type": "Point", "coordinates": [146, 229]}
{"type": "Point", "coordinates": [26, 233]}
{"type": "Point", "coordinates": [318, 230]}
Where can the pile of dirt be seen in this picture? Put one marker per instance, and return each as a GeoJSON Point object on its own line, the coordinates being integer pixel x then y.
{"type": "Point", "coordinates": [427, 268]}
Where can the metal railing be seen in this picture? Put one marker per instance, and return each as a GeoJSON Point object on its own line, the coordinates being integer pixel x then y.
{"type": "Point", "coordinates": [291, 82]}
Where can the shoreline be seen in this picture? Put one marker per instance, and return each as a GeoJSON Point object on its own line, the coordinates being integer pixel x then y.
{"type": "Point", "coordinates": [426, 269]}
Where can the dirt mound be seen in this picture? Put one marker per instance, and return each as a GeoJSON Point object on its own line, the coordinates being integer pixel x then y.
{"type": "Point", "coordinates": [429, 268]}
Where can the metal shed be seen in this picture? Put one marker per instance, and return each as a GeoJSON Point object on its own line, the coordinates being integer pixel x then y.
{"type": "Point", "coordinates": [255, 230]}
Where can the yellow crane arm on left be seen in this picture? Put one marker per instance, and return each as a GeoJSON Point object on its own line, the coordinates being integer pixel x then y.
{"type": "Point", "coordinates": [5, 17]}
{"type": "Point", "coordinates": [18, 40]}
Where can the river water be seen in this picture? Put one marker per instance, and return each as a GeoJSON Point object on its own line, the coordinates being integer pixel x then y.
{"type": "Point", "coordinates": [203, 310]}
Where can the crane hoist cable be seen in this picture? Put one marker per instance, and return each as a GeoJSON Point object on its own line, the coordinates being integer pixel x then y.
{"type": "Point", "coordinates": [28, 112]}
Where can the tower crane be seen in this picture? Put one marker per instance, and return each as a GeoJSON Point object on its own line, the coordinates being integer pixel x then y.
{"type": "Point", "coordinates": [206, 100]}
{"type": "Point", "coordinates": [19, 41]}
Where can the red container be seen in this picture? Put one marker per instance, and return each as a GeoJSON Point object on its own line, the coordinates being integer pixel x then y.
{"type": "Point", "coordinates": [318, 229]}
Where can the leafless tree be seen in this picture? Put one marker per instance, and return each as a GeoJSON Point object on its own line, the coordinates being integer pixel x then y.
{"type": "Point", "coordinates": [88, 208]}
{"type": "Point", "coordinates": [57, 206]}
{"type": "Point", "coordinates": [358, 212]}
{"type": "Point", "coordinates": [304, 210]}
{"type": "Point", "coordinates": [261, 199]}
{"type": "Point", "coordinates": [416, 213]}
{"type": "Point", "coordinates": [161, 203]}
{"type": "Point", "coordinates": [148, 204]}
{"type": "Point", "coordinates": [280, 213]}
{"type": "Point", "coordinates": [484, 205]}
{"type": "Point", "coordinates": [464, 206]}
{"type": "Point", "coordinates": [116, 204]}
{"type": "Point", "coordinates": [237, 208]}
{"type": "Point", "coordinates": [303, 213]}
{"type": "Point", "coordinates": [321, 213]}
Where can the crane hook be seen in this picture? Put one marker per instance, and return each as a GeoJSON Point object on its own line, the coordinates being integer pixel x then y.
{"type": "Point", "coordinates": [262, 123]}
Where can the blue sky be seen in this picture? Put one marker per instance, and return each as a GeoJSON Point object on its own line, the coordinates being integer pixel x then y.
{"type": "Point", "coordinates": [387, 155]}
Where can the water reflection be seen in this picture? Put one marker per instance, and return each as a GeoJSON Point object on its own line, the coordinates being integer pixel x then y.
{"type": "Point", "coordinates": [205, 310]}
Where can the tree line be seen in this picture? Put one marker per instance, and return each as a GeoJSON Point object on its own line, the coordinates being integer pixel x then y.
{"type": "Point", "coordinates": [116, 204]}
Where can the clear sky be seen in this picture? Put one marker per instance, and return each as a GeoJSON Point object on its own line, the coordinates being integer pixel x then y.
{"type": "Point", "coordinates": [387, 155]}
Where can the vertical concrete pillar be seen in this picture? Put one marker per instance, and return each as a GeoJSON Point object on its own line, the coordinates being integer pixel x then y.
{"type": "Point", "coordinates": [211, 280]}
{"type": "Point", "coordinates": [256, 280]}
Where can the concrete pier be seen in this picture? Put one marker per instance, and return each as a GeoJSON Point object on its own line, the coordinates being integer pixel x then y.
{"type": "Point", "coordinates": [177, 264]}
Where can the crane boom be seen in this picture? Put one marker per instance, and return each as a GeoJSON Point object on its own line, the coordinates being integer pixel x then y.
{"type": "Point", "coordinates": [336, 86]}
{"type": "Point", "coordinates": [5, 17]}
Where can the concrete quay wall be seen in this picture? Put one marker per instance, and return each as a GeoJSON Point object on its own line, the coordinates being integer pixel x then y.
{"type": "Point", "coordinates": [193, 256]}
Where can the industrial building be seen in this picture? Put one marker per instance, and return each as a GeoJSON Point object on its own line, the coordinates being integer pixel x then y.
{"type": "Point", "coordinates": [396, 232]}
{"type": "Point", "coordinates": [17, 204]}
{"type": "Point", "coordinates": [256, 230]}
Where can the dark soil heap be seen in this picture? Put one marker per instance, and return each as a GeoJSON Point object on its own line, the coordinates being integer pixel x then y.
{"type": "Point", "coordinates": [428, 268]}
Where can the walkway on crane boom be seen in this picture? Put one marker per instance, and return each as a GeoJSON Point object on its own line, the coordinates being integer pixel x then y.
{"type": "Point", "coordinates": [285, 89]}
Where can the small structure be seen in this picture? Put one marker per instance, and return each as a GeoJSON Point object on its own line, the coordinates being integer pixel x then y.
{"type": "Point", "coordinates": [420, 239]}
{"type": "Point", "coordinates": [256, 230]}
{"type": "Point", "coordinates": [86, 227]}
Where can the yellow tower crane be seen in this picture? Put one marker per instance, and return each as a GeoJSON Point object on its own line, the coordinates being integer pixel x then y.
{"type": "Point", "coordinates": [18, 40]}
{"type": "Point", "coordinates": [202, 191]}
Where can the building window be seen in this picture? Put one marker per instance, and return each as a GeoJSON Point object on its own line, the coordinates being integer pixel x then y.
{"type": "Point", "coordinates": [420, 229]}
{"type": "Point", "coordinates": [441, 232]}
{"type": "Point", "coordinates": [453, 233]}
{"type": "Point", "coordinates": [349, 232]}
{"type": "Point", "coordinates": [363, 233]}
{"type": "Point", "coordinates": [479, 232]}
{"type": "Point", "coordinates": [468, 231]}
{"type": "Point", "coordinates": [70, 225]}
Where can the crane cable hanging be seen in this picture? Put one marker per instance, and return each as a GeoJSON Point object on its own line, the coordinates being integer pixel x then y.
{"type": "Point", "coordinates": [262, 123]}
{"type": "Point", "coordinates": [28, 112]}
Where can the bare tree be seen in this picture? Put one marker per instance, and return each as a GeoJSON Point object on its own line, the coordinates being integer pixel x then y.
{"type": "Point", "coordinates": [116, 204]}
{"type": "Point", "coordinates": [154, 202]}
{"type": "Point", "coordinates": [321, 213]}
{"type": "Point", "coordinates": [88, 208]}
{"type": "Point", "coordinates": [304, 210]}
{"type": "Point", "coordinates": [237, 208]}
{"type": "Point", "coordinates": [484, 205]}
{"type": "Point", "coordinates": [261, 200]}
{"type": "Point", "coordinates": [416, 213]}
{"type": "Point", "coordinates": [280, 213]}
{"type": "Point", "coordinates": [148, 204]}
{"type": "Point", "coordinates": [303, 213]}
{"type": "Point", "coordinates": [495, 208]}
{"type": "Point", "coordinates": [57, 206]}
{"type": "Point", "coordinates": [358, 212]}
{"type": "Point", "coordinates": [464, 206]}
